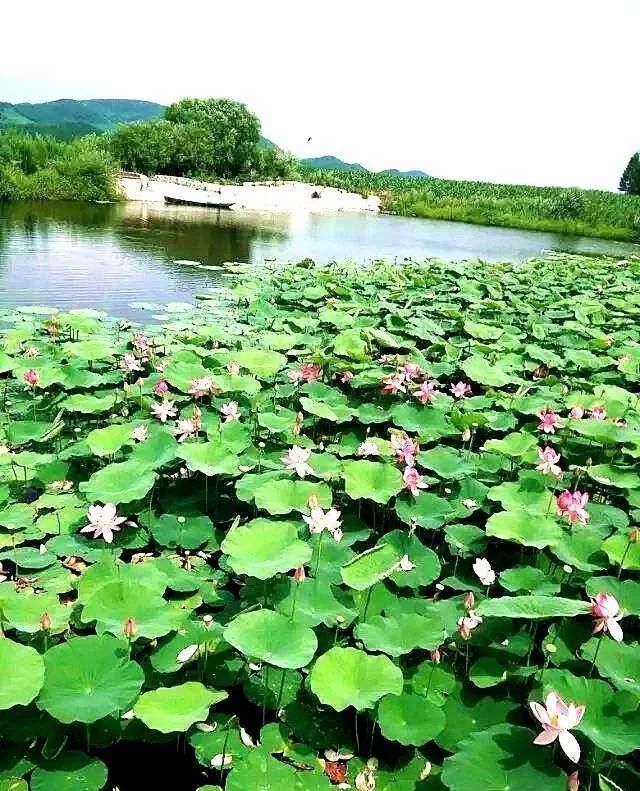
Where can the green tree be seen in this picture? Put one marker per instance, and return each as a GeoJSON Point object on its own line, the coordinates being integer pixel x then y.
{"type": "Point", "coordinates": [227, 135]}
{"type": "Point", "coordinates": [630, 181]}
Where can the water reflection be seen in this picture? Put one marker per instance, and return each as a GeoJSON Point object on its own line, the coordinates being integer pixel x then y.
{"type": "Point", "coordinates": [92, 255]}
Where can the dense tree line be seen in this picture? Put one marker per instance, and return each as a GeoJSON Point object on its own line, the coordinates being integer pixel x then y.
{"type": "Point", "coordinates": [204, 138]}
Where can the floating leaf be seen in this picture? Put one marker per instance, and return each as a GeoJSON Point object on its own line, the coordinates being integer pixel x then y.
{"type": "Point", "coordinates": [176, 709]}
{"type": "Point", "coordinates": [271, 637]}
{"type": "Point", "coordinates": [263, 548]}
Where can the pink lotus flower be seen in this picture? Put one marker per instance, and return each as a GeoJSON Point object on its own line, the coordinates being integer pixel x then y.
{"type": "Point", "coordinates": [576, 413]}
{"type": "Point", "coordinates": [164, 410]}
{"type": "Point", "coordinates": [598, 413]}
{"type": "Point", "coordinates": [571, 505]}
{"type": "Point", "coordinates": [557, 718]}
{"type": "Point", "coordinates": [233, 368]}
{"type": "Point", "coordinates": [467, 623]}
{"type": "Point", "coordinates": [184, 429]}
{"type": "Point", "coordinates": [427, 392]}
{"type": "Point", "coordinates": [549, 462]}
{"type": "Point", "coordinates": [32, 352]}
{"type": "Point", "coordinates": [394, 384]}
{"type": "Point", "coordinates": [410, 371]}
{"type": "Point", "coordinates": [300, 575]}
{"type": "Point", "coordinates": [295, 375]}
{"type": "Point", "coordinates": [310, 372]}
{"type": "Point", "coordinates": [368, 448]}
{"type": "Point", "coordinates": [230, 411]}
{"type": "Point", "coordinates": [346, 377]}
{"type": "Point", "coordinates": [319, 521]}
{"type": "Point", "coordinates": [103, 521]}
{"type": "Point", "coordinates": [161, 388]}
{"type": "Point", "coordinates": [141, 343]}
{"type": "Point", "coordinates": [130, 363]}
{"type": "Point", "coordinates": [549, 421]}
{"type": "Point", "coordinates": [201, 387]}
{"type": "Point", "coordinates": [606, 610]}
{"type": "Point", "coordinates": [413, 481]}
{"type": "Point", "coordinates": [296, 459]}
{"type": "Point", "coordinates": [460, 390]}
{"type": "Point", "coordinates": [405, 448]}
{"type": "Point", "coordinates": [31, 377]}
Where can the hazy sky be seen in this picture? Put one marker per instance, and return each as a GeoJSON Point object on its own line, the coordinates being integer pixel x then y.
{"type": "Point", "coordinates": [532, 91]}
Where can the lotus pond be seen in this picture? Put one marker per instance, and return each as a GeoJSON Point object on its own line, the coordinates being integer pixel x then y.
{"type": "Point", "coordinates": [329, 528]}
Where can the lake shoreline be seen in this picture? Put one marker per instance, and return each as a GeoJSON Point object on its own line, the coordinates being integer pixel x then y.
{"type": "Point", "coordinates": [267, 196]}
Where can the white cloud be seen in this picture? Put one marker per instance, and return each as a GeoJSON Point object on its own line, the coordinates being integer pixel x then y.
{"type": "Point", "coordinates": [536, 92]}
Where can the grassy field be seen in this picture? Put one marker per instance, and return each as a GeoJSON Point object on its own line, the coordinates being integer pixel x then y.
{"type": "Point", "coordinates": [574, 211]}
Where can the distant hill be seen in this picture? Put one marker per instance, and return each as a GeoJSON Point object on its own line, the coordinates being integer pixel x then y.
{"type": "Point", "coordinates": [333, 163]}
{"type": "Point", "coordinates": [67, 118]}
{"type": "Point", "coordinates": [330, 163]}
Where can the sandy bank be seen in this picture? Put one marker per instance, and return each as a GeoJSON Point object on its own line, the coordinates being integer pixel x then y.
{"type": "Point", "coordinates": [285, 196]}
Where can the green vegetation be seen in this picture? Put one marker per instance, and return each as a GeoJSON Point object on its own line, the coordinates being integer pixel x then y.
{"type": "Point", "coordinates": [329, 523]}
{"type": "Point", "coordinates": [201, 138]}
{"type": "Point", "coordinates": [34, 167]}
{"type": "Point", "coordinates": [630, 181]}
{"type": "Point", "coordinates": [558, 209]}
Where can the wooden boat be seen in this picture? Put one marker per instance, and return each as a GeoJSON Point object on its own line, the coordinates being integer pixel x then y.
{"type": "Point", "coordinates": [205, 204]}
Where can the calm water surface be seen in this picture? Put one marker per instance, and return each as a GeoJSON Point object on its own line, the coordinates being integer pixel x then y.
{"type": "Point", "coordinates": [108, 256]}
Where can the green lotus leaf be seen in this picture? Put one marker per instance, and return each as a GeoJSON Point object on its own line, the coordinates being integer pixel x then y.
{"type": "Point", "coordinates": [70, 771]}
{"type": "Point", "coordinates": [469, 711]}
{"type": "Point", "coordinates": [261, 771]}
{"type": "Point", "coordinates": [372, 480]}
{"type": "Point", "coordinates": [429, 422]}
{"type": "Point", "coordinates": [95, 349]}
{"type": "Point", "coordinates": [401, 634]}
{"type": "Point", "coordinates": [428, 510]}
{"type": "Point", "coordinates": [23, 676]}
{"type": "Point", "coordinates": [261, 363]}
{"type": "Point", "coordinates": [114, 603]}
{"type": "Point", "coordinates": [187, 532]}
{"type": "Point", "coordinates": [371, 566]}
{"type": "Point", "coordinates": [627, 592]}
{"type": "Point", "coordinates": [425, 561]}
{"type": "Point", "coordinates": [611, 719]}
{"type": "Point", "coordinates": [22, 610]}
{"type": "Point", "coordinates": [621, 552]}
{"type": "Point", "coordinates": [89, 678]}
{"type": "Point", "coordinates": [514, 445]}
{"type": "Point", "coordinates": [527, 494]}
{"type": "Point", "coordinates": [609, 475]}
{"type": "Point", "coordinates": [446, 462]}
{"type": "Point", "coordinates": [271, 637]}
{"type": "Point", "coordinates": [263, 548]}
{"type": "Point", "coordinates": [581, 548]}
{"type": "Point", "coordinates": [90, 404]}
{"type": "Point", "coordinates": [283, 496]}
{"type": "Point", "coordinates": [107, 441]}
{"type": "Point", "coordinates": [532, 607]}
{"type": "Point", "coordinates": [523, 527]}
{"type": "Point", "coordinates": [209, 458]}
{"type": "Point", "coordinates": [314, 603]}
{"type": "Point", "coordinates": [502, 757]}
{"type": "Point", "coordinates": [176, 709]}
{"type": "Point", "coordinates": [336, 413]}
{"type": "Point", "coordinates": [409, 719]}
{"type": "Point", "coordinates": [119, 483]}
{"type": "Point", "coordinates": [487, 672]}
{"type": "Point", "coordinates": [618, 662]}
{"type": "Point", "coordinates": [433, 682]}
{"type": "Point", "coordinates": [530, 579]}
{"type": "Point", "coordinates": [478, 369]}
{"type": "Point", "coordinates": [345, 677]}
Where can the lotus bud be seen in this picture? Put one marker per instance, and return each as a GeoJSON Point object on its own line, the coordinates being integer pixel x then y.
{"type": "Point", "coordinates": [573, 781]}
{"type": "Point", "coordinates": [299, 575]}
{"type": "Point", "coordinates": [312, 502]}
{"type": "Point", "coordinates": [130, 628]}
{"type": "Point", "coordinates": [435, 656]}
{"type": "Point", "coordinates": [469, 601]}
{"type": "Point", "coordinates": [466, 435]}
{"type": "Point", "coordinates": [634, 536]}
{"type": "Point", "coordinates": [45, 622]}
{"type": "Point", "coordinates": [426, 771]}
{"type": "Point", "coordinates": [207, 620]}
